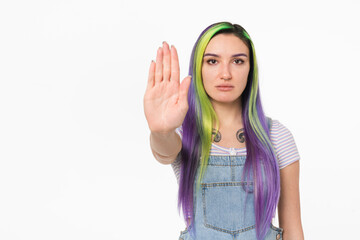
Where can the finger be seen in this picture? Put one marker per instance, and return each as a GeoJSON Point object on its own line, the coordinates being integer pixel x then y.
{"type": "Point", "coordinates": [151, 78]}
{"type": "Point", "coordinates": [166, 62]}
{"type": "Point", "coordinates": [175, 69]}
{"type": "Point", "coordinates": [158, 68]}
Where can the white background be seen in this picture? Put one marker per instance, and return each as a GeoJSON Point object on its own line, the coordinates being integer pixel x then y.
{"type": "Point", "coordinates": [75, 158]}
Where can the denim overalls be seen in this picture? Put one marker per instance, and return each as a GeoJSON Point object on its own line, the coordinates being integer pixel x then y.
{"type": "Point", "coordinates": [219, 204]}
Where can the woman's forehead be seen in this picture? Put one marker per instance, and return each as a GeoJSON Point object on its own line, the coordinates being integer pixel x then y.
{"type": "Point", "coordinates": [226, 44]}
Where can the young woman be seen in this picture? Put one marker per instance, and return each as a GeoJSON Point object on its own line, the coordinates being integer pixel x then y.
{"type": "Point", "coordinates": [234, 165]}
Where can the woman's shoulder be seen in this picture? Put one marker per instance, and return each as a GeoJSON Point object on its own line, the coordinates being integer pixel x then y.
{"type": "Point", "coordinates": [278, 128]}
{"type": "Point", "coordinates": [284, 144]}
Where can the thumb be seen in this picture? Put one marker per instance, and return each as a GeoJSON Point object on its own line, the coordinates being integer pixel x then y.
{"type": "Point", "coordinates": [184, 89]}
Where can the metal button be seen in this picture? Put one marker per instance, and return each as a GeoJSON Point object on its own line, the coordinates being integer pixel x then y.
{"type": "Point", "coordinates": [278, 236]}
{"type": "Point", "coordinates": [232, 151]}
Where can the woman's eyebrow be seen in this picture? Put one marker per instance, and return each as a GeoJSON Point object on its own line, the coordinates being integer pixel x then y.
{"type": "Point", "coordinates": [211, 54]}
{"type": "Point", "coordinates": [215, 55]}
{"type": "Point", "coordinates": [239, 54]}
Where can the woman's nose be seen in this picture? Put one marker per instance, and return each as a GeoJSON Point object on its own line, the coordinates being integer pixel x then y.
{"type": "Point", "coordinates": [225, 72]}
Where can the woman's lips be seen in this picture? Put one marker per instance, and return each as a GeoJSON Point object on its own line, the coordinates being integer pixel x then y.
{"type": "Point", "coordinates": [224, 88]}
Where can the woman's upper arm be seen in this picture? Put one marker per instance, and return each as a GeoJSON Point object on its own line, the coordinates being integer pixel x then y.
{"type": "Point", "coordinates": [288, 160]}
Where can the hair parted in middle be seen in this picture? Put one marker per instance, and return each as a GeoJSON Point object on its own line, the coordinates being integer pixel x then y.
{"type": "Point", "coordinates": [261, 163]}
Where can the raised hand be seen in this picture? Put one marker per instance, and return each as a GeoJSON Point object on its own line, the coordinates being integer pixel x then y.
{"type": "Point", "coordinates": [165, 99]}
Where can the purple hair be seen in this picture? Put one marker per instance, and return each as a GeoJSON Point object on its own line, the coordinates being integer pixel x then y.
{"type": "Point", "coordinates": [261, 163]}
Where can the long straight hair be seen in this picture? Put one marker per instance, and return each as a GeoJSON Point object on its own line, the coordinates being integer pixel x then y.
{"type": "Point", "coordinates": [261, 164]}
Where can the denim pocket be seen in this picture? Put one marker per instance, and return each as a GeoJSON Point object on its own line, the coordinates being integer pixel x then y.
{"type": "Point", "coordinates": [278, 232]}
{"type": "Point", "coordinates": [226, 207]}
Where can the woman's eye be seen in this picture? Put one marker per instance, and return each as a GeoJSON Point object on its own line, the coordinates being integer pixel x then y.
{"type": "Point", "coordinates": [211, 61]}
{"type": "Point", "coordinates": [238, 61]}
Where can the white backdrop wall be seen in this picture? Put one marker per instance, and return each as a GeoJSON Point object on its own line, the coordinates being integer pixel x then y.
{"type": "Point", "coordinates": [75, 159]}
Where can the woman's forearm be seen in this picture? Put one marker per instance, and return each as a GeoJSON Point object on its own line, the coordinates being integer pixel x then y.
{"type": "Point", "coordinates": [165, 146]}
{"type": "Point", "coordinates": [289, 203]}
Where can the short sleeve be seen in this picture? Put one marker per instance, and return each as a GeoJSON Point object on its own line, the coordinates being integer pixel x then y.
{"type": "Point", "coordinates": [284, 144]}
{"type": "Point", "coordinates": [176, 165]}
{"type": "Point", "coordinates": [179, 131]}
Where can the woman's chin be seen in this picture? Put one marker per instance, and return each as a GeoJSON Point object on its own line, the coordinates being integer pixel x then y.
{"type": "Point", "coordinates": [225, 100]}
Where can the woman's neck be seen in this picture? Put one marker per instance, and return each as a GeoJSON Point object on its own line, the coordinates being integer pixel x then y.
{"type": "Point", "coordinates": [229, 114]}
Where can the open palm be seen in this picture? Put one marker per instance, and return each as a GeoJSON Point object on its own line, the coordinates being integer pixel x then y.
{"type": "Point", "coordinates": [165, 99]}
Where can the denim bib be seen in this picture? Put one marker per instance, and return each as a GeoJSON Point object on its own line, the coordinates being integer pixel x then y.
{"type": "Point", "coordinates": [222, 208]}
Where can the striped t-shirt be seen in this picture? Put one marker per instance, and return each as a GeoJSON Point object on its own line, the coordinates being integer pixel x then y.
{"type": "Point", "coordinates": [280, 136]}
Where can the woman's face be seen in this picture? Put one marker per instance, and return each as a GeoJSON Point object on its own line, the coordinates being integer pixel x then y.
{"type": "Point", "coordinates": [226, 62]}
